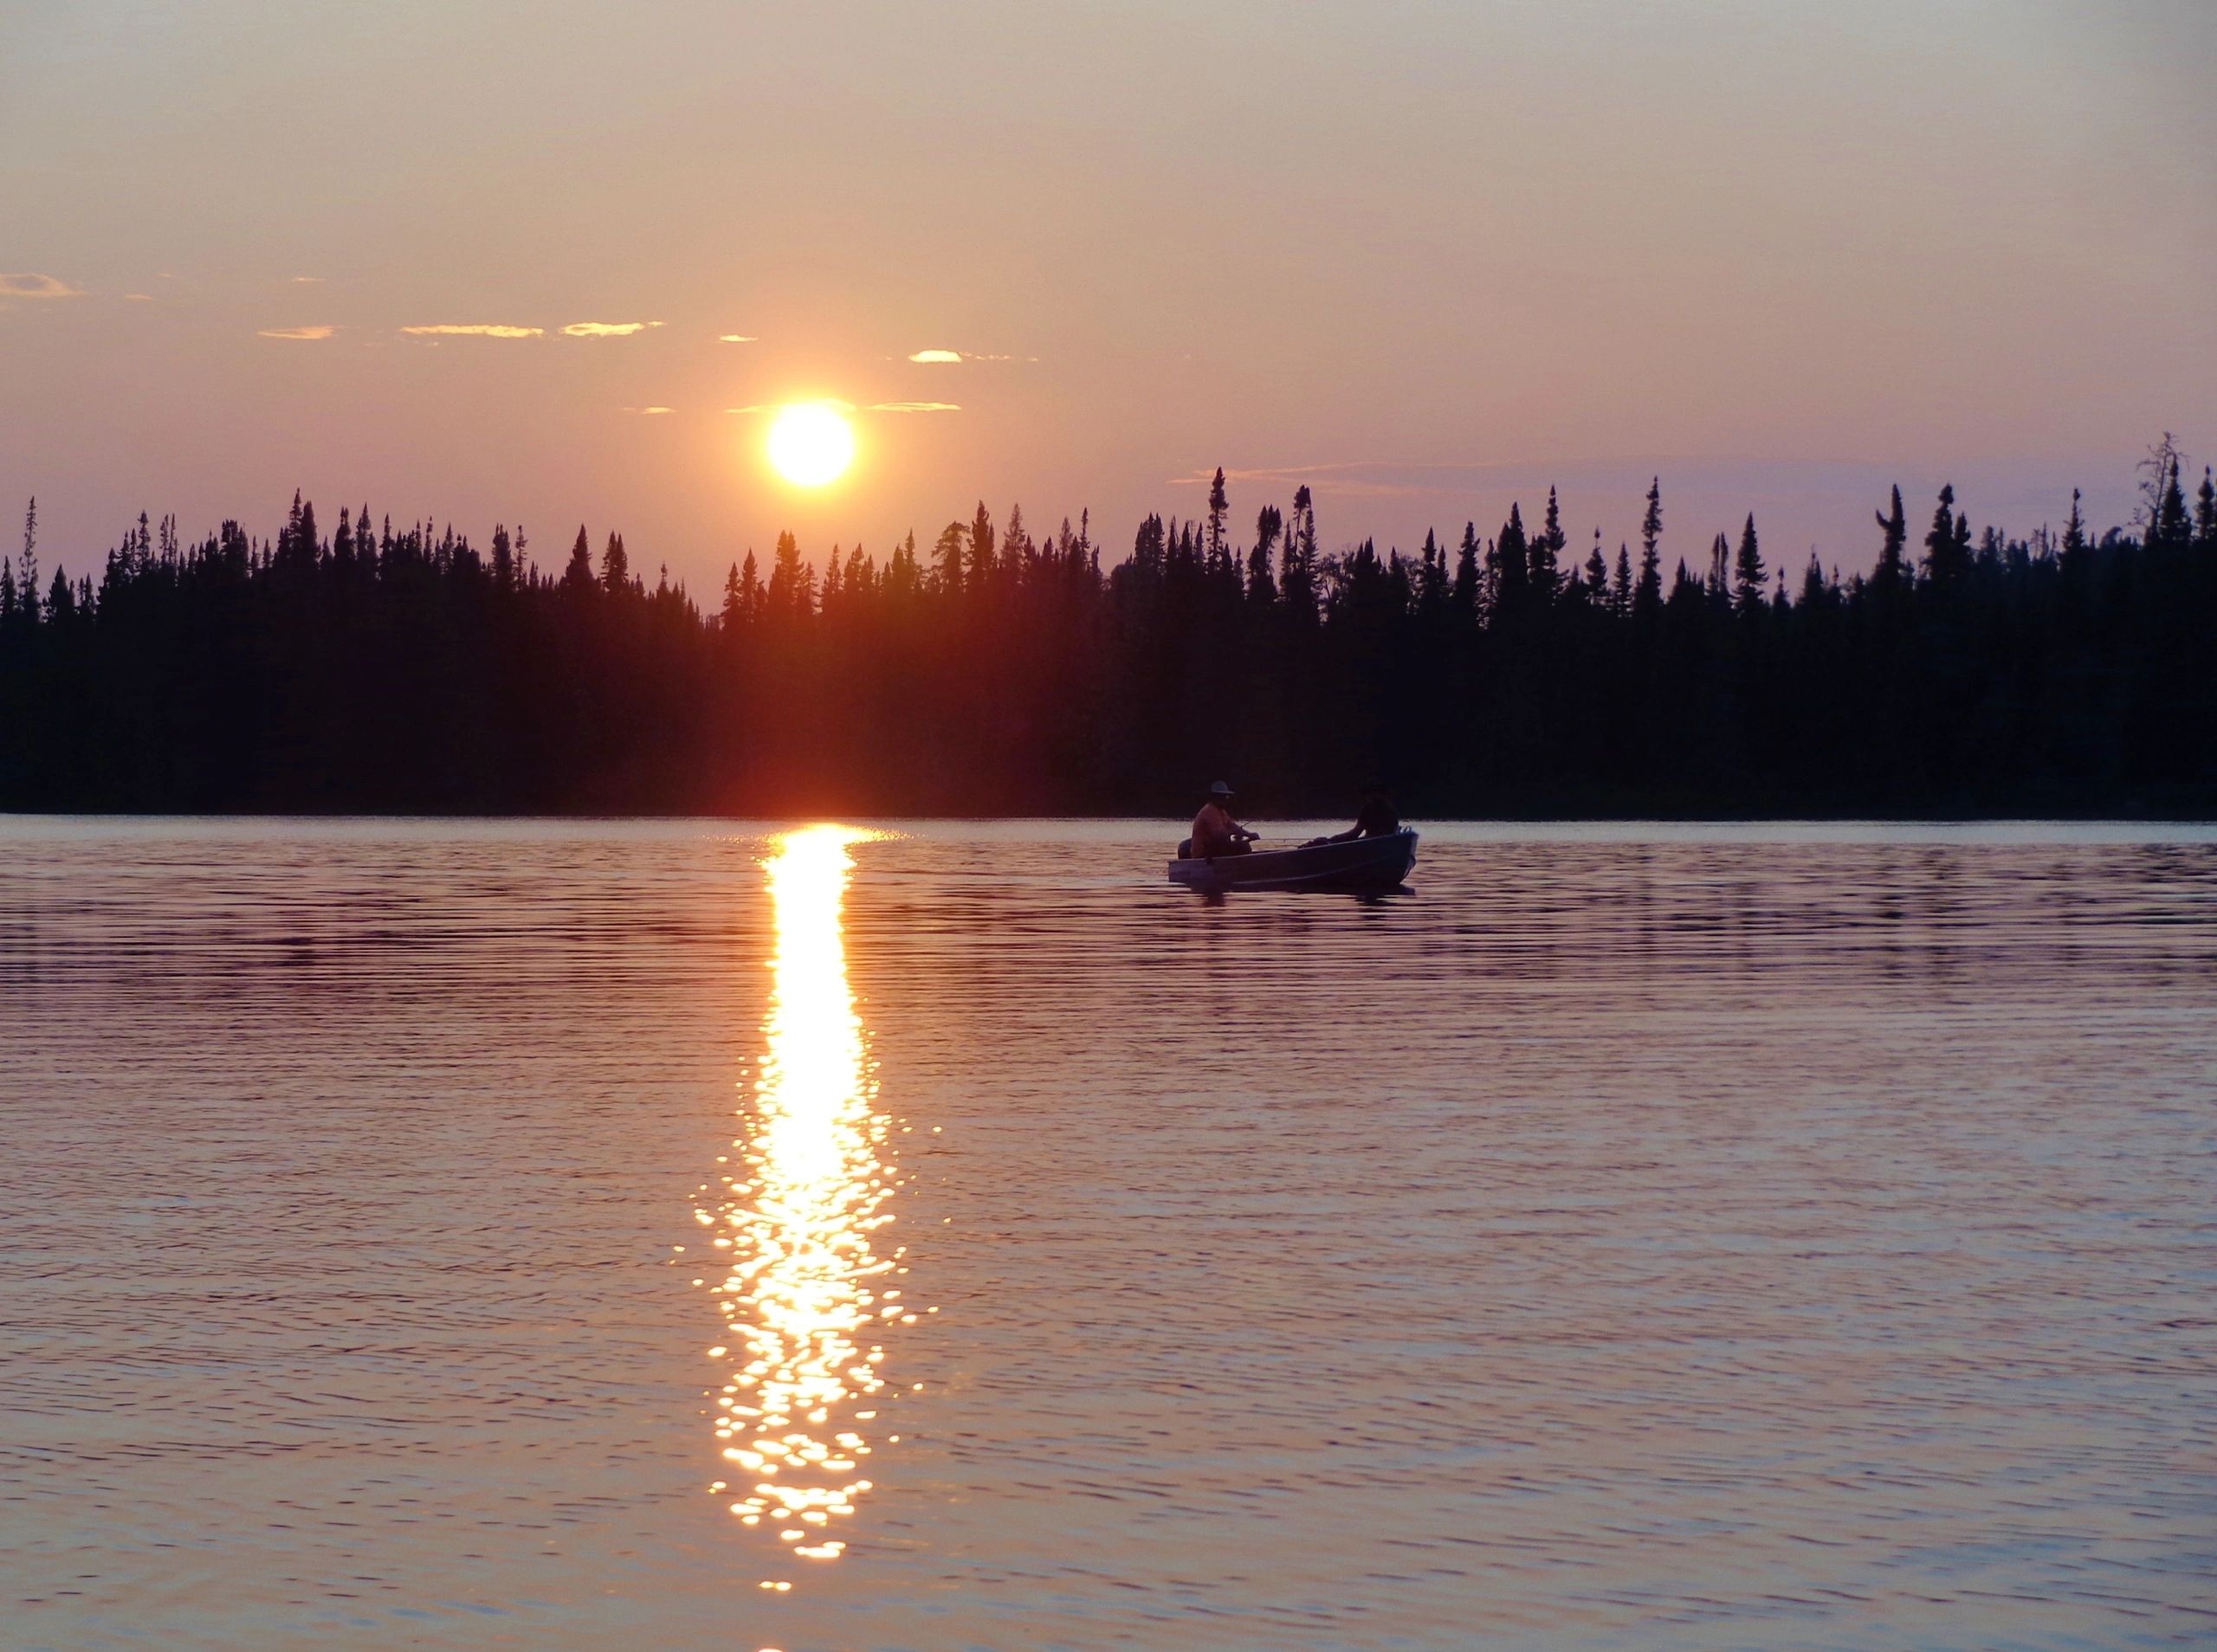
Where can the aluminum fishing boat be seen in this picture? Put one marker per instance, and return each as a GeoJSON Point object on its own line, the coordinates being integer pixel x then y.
{"type": "Point", "coordinates": [1354, 863]}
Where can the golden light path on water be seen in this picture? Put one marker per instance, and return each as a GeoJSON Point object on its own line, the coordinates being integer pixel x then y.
{"type": "Point", "coordinates": [803, 1294]}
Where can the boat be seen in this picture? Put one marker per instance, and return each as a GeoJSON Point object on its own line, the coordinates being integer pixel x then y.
{"type": "Point", "coordinates": [1381, 862]}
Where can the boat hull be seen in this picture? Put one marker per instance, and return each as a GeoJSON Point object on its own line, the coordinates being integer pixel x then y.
{"type": "Point", "coordinates": [1357, 863]}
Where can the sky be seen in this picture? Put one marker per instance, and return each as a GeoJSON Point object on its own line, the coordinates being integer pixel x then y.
{"type": "Point", "coordinates": [1426, 259]}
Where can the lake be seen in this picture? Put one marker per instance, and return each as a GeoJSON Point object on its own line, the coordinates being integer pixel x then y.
{"type": "Point", "coordinates": [678, 1233]}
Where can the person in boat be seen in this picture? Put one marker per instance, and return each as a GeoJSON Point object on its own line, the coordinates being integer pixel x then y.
{"type": "Point", "coordinates": [1215, 832]}
{"type": "Point", "coordinates": [1376, 818]}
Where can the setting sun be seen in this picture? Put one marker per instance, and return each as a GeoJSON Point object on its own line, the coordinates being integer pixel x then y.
{"type": "Point", "coordinates": [811, 444]}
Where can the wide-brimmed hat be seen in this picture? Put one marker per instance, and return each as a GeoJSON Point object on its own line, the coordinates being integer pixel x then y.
{"type": "Point", "coordinates": [1220, 789]}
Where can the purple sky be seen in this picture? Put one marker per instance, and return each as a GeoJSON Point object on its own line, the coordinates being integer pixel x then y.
{"type": "Point", "coordinates": [1426, 258]}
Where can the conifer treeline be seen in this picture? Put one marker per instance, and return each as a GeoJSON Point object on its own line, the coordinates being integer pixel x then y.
{"type": "Point", "coordinates": [403, 669]}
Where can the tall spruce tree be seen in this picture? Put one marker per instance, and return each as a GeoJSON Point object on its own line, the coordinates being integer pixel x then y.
{"type": "Point", "coordinates": [1647, 595]}
{"type": "Point", "coordinates": [1544, 556]}
{"type": "Point", "coordinates": [577, 577]}
{"type": "Point", "coordinates": [1748, 575]}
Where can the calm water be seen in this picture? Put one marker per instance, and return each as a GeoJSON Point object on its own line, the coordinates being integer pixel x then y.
{"type": "Point", "coordinates": [1637, 1237]}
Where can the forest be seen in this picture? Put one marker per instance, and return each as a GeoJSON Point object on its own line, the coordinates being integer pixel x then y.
{"type": "Point", "coordinates": [386, 669]}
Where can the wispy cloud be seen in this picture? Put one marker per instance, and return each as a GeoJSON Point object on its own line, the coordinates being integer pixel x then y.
{"type": "Point", "coordinates": [831, 402]}
{"type": "Point", "coordinates": [736, 337]}
{"type": "Point", "coordinates": [25, 284]}
{"type": "Point", "coordinates": [644, 411]}
{"type": "Point", "coordinates": [140, 298]}
{"type": "Point", "coordinates": [296, 332]}
{"type": "Point", "coordinates": [474, 330]}
{"type": "Point", "coordinates": [914, 407]}
{"type": "Point", "coordinates": [606, 329]}
{"type": "Point", "coordinates": [937, 358]}
{"type": "Point", "coordinates": [307, 280]}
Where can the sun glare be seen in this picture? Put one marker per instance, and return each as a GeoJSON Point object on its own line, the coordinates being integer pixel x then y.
{"type": "Point", "coordinates": [811, 444]}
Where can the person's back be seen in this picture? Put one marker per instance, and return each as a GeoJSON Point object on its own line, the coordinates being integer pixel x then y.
{"type": "Point", "coordinates": [1377, 817]}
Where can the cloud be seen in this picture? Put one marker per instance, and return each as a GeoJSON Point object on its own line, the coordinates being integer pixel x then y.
{"type": "Point", "coordinates": [646, 409]}
{"type": "Point", "coordinates": [140, 298]}
{"type": "Point", "coordinates": [606, 329]}
{"type": "Point", "coordinates": [24, 284]}
{"type": "Point", "coordinates": [931, 358]}
{"type": "Point", "coordinates": [736, 338]}
{"type": "Point", "coordinates": [474, 330]}
{"type": "Point", "coordinates": [296, 332]}
{"type": "Point", "coordinates": [914, 407]}
{"type": "Point", "coordinates": [307, 280]}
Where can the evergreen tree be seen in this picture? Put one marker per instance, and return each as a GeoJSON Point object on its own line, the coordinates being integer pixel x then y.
{"type": "Point", "coordinates": [1891, 574]}
{"type": "Point", "coordinates": [616, 567]}
{"type": "Point", "coordinates": [750, 594]}
{"type": "Point", "coordinates": [1544, 556]}
{"type": "Point", "coordinates": [981, 548]}
{"type": "Point", "coordinates": [1219, 505]}
{"type": "Point", "coordinates": [1465, 596]}
{"type": "Point", "coordinates": [1016, 549]}
{"type": "Point", "coordinates": [791, 593]}
{"type": "Point", "coordinates": [1299, 578]}
{"type": "Point", "coordinates": [26, 564]}
{"type": "Point", "coordinates": [1261, 584]}
{"type": "Point", "coordinates": [1812, 582]}
{"type": "Point", "coordinates": [1648, 594]}
{"type": "Point", "coordinates": [948, 553]}
{"type": "Point", "coordinates": [1511, 567]}
{"type": "Point", "coordinates": [578, 576]}
{"type": "Point", "coordinates": [2171, 525]}
{"type": "Point", "coordinates": [1748, 575]}
{"type": "Point", "coordinates": [2074, 532]}
{"type": "Point", "coordinates": [1946, 544]}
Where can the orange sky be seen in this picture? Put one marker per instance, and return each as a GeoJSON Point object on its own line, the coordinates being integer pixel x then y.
{"type": "Point", "coordinates": [1423, 257]}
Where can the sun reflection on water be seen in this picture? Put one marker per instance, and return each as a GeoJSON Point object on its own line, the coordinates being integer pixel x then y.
{"type": "Point", "coordinates": [802, 1295]}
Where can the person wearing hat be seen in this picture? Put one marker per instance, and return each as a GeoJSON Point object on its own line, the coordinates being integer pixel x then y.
{"type": "Point", "coordinates": [1215, 832]}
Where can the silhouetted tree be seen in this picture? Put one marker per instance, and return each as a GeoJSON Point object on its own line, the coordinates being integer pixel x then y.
{"type": "Point", "coordinates": [1947, 544]}
{"type": "Point", "coordinates": [578, 576]}
{"type": "Point", "coordinates": [1891, 574]}
{"type": "Point", "coordinates": [1748, 570]}
{"type": "Point", "coordinates": [1262, 584]}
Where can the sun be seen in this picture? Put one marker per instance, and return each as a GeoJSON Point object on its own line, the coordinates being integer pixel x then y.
{"type": "Point", "coordinates": [811, 444]}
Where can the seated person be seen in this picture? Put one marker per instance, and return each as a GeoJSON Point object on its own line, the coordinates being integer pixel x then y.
{"type": "Point", "coordinates": [1376, 818]}
{"type": "Point", "coordinates": [1215, 832]}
